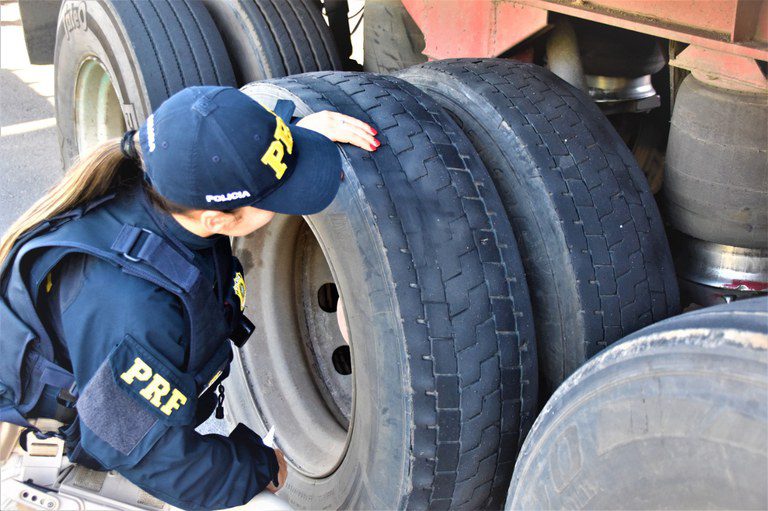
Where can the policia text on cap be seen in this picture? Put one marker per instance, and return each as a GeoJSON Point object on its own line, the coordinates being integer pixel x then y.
{"type": "Point", "coordinates": [127, 282]}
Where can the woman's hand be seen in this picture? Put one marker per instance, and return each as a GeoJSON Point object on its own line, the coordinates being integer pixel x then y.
{"type": "Point", "coordinates": [341, 128]}
{"type": "Point", "coordinates": [282, 473]}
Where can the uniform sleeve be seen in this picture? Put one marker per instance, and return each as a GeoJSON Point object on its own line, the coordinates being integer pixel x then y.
{"type": "Point", "coordinates": [194, 471]}
{"type": "Point", "coordinates": [119, 331]}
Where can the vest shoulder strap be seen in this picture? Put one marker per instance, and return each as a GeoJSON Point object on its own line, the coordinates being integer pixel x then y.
{"type": "Point", "coordinates": [27, 348]}
{"type": "Point", "coordinates": [135, 248]}
{"type": "Point", "coordinates": [137, 244]}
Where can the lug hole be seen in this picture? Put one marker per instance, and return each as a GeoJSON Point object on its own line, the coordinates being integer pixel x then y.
{"type": "Point", "coordinates": [328, 297]}
{"type": "Point", "coordinates": [342, 360]}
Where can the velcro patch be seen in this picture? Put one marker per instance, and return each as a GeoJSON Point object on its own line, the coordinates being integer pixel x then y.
{"type": "Point", "coordinates": [111, 414]}
{"type": "Point", "coordinates": [157, 385]}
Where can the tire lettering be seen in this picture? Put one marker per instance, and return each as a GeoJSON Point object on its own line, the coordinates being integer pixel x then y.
{"type": "Point", "coordinates": [565, 458]}
{"type": "Point", "coordinates": [75, 17]}
{"type": "Point", "coordinates": [129, 114]}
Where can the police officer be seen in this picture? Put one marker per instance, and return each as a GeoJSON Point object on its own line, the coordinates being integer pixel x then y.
{"type": "Point", "coordinates": [127, 262]}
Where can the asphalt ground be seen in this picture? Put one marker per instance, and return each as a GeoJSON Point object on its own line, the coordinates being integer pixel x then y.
{"type": "Point", "coordinates": [29, 154]}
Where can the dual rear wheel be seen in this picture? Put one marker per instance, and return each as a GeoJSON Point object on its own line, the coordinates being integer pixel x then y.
{"type": "Point", "coordinates": [594, 256]}
{"type": "Point", "coordinates": [595, 252]}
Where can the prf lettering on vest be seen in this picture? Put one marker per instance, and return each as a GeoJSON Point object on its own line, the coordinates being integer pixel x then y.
{"type": "Point", "coordinates": [274, 155]}
{"type": "Point", "coordinates": [157, 388]}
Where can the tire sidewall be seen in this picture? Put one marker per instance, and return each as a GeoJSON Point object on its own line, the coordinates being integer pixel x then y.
{"type": "Point", "coordinates": [606, 425]}
{"type": "Point", "coordinates": [91, 30]}
{"type": "Point", "coordinates": [380, 438]}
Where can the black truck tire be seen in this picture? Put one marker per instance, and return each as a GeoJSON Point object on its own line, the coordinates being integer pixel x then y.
{"type": "Point", "coordinates": [392, 40]}
{"type": "Point", "coordinates": [134, 54]}
{"type": "Point", "coordinates": [674, 417]}
{"type": "Point", "coordinates": [593, 244]}
{"type": "Point", "coordinates": [274, 38]}
{"type": "Point", "coordinates": [442, 348]}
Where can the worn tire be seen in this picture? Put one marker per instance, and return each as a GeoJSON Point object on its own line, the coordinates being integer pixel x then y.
{"type": "Point", "coordinates": [274, 38]}
{"type": "Point", "coordinates": [596, 256]}
{"type": "Point", "coordinates": [674, 417]}
{"type": "Point", "coordinates": [442, 340]}
{"type": "Point", "coordinates": [716, 177]}
{"type": "Point", "coordinates": [149, 51]}
{"type": "Point", "coordinates": [392, 40]}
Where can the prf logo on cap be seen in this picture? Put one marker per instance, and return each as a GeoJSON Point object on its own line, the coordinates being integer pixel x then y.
{"type": "Point", "coordinates": [283, 141]}
{"type": "Point", "coordinates": [212, 147]}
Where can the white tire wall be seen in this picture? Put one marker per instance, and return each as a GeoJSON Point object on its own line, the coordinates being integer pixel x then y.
{"type": "Point", "coordinates": [673, 417]}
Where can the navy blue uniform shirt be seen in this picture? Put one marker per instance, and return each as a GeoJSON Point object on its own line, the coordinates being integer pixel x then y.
{"type": "Point", "coordinates": [91, 306]}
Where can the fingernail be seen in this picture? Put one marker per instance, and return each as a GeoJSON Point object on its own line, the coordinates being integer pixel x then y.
{"type": "Point", "coordinates": [374, 131]}
{"type": "Point", "coordinates": [376, 142]}
{"type": "Point", "coordinates": [373, 147]}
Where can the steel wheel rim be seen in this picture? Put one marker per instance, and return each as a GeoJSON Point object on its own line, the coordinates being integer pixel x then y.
{"type": "Point", "coordinates": [284, 375]}
{"type": "Point", "coordinates": [323, 341]}
{"type": "Point", "coordinates": [98, 113]}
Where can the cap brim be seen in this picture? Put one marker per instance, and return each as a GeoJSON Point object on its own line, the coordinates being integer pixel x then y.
{"type": "Point", "coordinates": [314, 181]}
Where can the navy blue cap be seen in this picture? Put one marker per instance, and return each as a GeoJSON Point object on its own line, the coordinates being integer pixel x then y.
{"type": "Point", "coordinates": [216, 148]}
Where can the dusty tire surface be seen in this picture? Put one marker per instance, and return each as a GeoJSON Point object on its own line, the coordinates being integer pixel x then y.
{"type": "Point", "coordinates": [593, 244]}
{"type": "Point", "coordinates": [149, 50]}
{"type": "Point", "coordinates": [274, 38]}
{"type": "Point", "coordinates": [673, 417]}
{"type": "Point", "coordinates": [443, 353]}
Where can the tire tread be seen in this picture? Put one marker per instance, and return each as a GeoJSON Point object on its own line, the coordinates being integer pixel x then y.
{"type": "Point", "coordinates": [468, 328]}
{"type": "Point", "coordinates": [577, 171]}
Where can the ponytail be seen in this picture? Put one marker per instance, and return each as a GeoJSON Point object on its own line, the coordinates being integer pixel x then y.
{"type": "Point", "coordinates": [89, 178]}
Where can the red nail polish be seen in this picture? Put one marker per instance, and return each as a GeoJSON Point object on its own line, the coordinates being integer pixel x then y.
{"type": "Point", "coordinates": [374, 131]}
{"type": "Point", "coordinates": [376, 143]}
{"type": "Point", "coordinates": [373, 147]}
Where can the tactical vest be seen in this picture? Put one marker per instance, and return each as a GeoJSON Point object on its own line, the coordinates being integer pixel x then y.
{"type": "Point", "coordinates": [121, 230]}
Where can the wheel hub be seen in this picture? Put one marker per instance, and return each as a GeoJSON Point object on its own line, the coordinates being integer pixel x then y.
{"type": "Point", "coordinates": [329, 354]}
{"type": "Point", "coordinates": [98, 115]}
{"type": "Point", "coordinates": [299, 370]}
{"type": "Point", "coordinates": [712, 273]}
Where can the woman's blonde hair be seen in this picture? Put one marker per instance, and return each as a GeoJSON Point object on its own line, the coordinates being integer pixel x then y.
{"type": "Point", "coordinates": [92, 176]}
